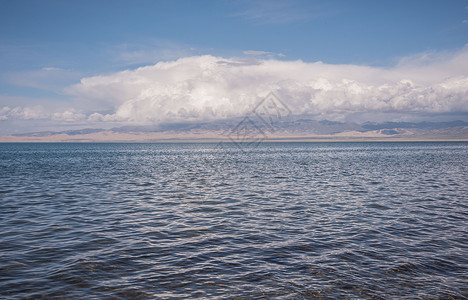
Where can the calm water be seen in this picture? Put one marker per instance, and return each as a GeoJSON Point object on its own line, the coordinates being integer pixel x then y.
{"type": "Point", "coordinates": [283, 220]}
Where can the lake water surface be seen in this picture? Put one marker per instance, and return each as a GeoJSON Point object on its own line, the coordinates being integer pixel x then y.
{"type": "Point", "coordinates": [281, 220]}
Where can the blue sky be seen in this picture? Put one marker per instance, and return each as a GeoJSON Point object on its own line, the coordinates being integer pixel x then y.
{"type": "Point", "coordinates": [90, 35]}
{"type": "Point", "coordinates": [47, 46]}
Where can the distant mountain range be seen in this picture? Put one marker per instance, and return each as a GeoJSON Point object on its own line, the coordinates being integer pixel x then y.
{"type": "Point", "coordinates": [291, 128]}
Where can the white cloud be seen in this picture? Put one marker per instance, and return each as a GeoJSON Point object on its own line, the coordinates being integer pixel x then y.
{"type": "Point", "coordinates": [207, 88]}
{"type": "Point", "coordinates": [97, 117]}
{"type": "Point", "coordinates": [23, 113]}
{"type": "Point", "coordinates": [70, 115]}
{"type": "Point", "coordinates": [51, 69]}
{"type": "Point", "coordinates": [38, 112]}
{"type": "Point", "coordinates": [4, 112]}
{"type": "Point", "coordinates": [255, 52]}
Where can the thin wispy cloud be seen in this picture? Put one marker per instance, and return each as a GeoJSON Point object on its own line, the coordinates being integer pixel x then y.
{"type": "Point", "coordinates": [46, 78]}
{"type": "Point", "coordinates": [273, 12]}
{"type": "Point", "coordinates": [148, 52]}
{"type": "Point", "coordinates": [51, 69]}
{"type": "Point", "coordinates": [262, 53]}
{"type": "Point", "coordinates": [255, 52]}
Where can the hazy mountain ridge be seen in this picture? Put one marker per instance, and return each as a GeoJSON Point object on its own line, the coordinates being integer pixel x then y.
{"type": "Point", "coordinates": [293, 128]}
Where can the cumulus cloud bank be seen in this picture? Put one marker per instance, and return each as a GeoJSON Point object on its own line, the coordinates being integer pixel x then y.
{"type": "Point", "coordinates": [204, 88]}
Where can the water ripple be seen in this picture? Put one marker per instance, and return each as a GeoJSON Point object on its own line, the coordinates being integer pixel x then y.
{"type": "Point", "coordinates": [284, 220]}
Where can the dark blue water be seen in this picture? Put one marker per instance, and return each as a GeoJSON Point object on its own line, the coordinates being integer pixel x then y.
{"type": "Point", "coordinates": [283, 220]}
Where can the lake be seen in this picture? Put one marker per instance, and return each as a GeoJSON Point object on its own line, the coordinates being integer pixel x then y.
{"type": "Point", "coordinates": [273, 220]}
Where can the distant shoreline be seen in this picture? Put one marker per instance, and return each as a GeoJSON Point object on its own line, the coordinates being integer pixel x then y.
{"type": "Point", "coordinates": [13, 139]}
